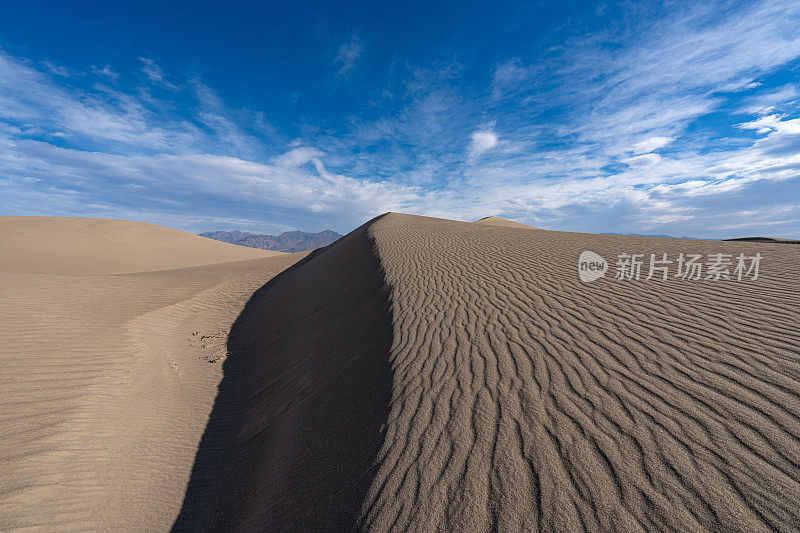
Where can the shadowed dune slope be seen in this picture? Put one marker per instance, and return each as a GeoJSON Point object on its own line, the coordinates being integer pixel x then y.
{"type": "Point", "coordinates": [517, 397]}
{"type": "Point", "coordinates": [297, 421]}
{"type": "Point", "coordinates": [61, 245]}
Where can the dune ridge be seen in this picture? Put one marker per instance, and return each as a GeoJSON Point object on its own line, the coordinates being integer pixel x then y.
{"type": "Point", "coordinates": [517, 397]}
{"type": "Point", "coordinates": [299, 415]}
{"type": "Point", "coordinates": [772, 240]}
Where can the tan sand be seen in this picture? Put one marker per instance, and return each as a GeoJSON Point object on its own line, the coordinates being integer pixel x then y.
{"type": "Point", "coordinates": [54, 245]}
{"type": "Point", "coordinates": [106, 387]}
{"type": "Point", "coordinates": [418, 374]}
{"type": "Point", "coordinates": [501, 393]}
{"type": "Point", "coordinates": [497, 221]}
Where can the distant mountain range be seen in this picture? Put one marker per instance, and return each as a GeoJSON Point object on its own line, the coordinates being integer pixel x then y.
{"type": "Point", "coordinates": [771, 240]}
{"type": "Point", "coordinates": [288, 241]}
{"type": "Point", "coordinates": [661, 236]}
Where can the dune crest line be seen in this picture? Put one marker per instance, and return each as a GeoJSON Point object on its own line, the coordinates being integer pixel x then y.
{"type": "Point", "coordinates": [298, 419]}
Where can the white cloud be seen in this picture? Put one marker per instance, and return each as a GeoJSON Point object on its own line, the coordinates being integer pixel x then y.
{"type": "Point", "coordinates": [643, 160]}
{"type": "Point", "coordinates": [651, 144]}
{"type": "Point", "coordinates": [766, 102]}
{"type": "Point", "coordinates": [297, 156]}
{"type": "Point", "coordinates": [507, 77]}
{"type": "Point", "coordinates": [772, 123]}
{"type": "Point", "coordinates": [105, 71]}
{"type": "Point", "coordinates": [58, 70]}
{"type": "Point", "coordinates": [348, 54]}
{"type": "Point", "coordinates": [155, 74]}
{"type": "Point", "coordinates": [482, 141]}
{"type": "Point", "coordinates": [275, 185]}
{"type": "Point", "coordinates": [164, 156]}
{"type": "Point", "coordinates": [580, 143]}
{"type": "Point", "coordinates": [662, 72]}
{"type": "Point", "coordinates": [28, 96]}
{"type": "Point", "coordinates": [636, 97]}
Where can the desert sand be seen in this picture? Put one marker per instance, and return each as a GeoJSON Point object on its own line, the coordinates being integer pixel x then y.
{"type": "Point", "coordinates": [55, 245]}
{"type": "Point", "coordinates": [418, 374]}
{"type": "Point", "coordinates": [496, 221]}
{"type": "Point", "coordinates": [106, 384]}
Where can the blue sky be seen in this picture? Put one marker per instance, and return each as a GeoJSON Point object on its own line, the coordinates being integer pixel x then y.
{"type": "Point", "coordinates": [663, 117]}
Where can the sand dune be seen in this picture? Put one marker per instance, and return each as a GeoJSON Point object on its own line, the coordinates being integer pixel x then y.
{"type": "Point", "coordinates": [106, 386]}
{"type": "Point", "coordinates": [533, 401]}
{"type": "Point", "coordinates": [516, 397]}
{"type": "Point", "coordinates": [497, 221]}
{"type": "Point", "coordinates": [54, 245]}
{"type": "Point", "coordinates": [297, 423]}
{"type": "Point", "coordinates": [418, 374]}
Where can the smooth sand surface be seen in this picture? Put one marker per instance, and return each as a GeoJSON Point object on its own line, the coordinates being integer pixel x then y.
{"type": "Point", "coordinates": [497, 221]}
{"type": "Point", "coordinates": [431, 375]}
{"type": "Point", "coordinates": [55, 245]}
{"type": "Point", "coordinates": [418, 374]}
{"type": "Point", "coordinates": [106, 385]}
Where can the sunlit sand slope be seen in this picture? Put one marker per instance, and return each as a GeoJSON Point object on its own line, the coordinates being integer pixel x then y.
{"type": "Point", "coordinates": [60, 245]}
{"type": "Point", "coordinates": [525, 399]}
{"type": "Point", "coordinates": [106, 384]}
{"type": "Point", "coordinates": [516, 397]}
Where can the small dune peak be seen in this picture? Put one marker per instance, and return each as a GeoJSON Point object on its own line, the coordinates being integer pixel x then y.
{"type": "Point", "coordinates": [497, 221]}
{"type": "Point", "coordinates": [66, 245]}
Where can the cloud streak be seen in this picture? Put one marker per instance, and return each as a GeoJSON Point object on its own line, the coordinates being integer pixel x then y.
{"type": "Point", "coordinates": [347, 55]}
{"type": "Point", "coordinates": [154, 73]}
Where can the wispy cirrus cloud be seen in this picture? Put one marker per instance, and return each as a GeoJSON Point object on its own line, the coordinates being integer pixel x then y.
{"type": "Point", "coordinates": [625, 94]}
{"type": "Point", "coordinates": [348, 53]}
{"type": "Point", "coordinates": [155, 74]}
{"type": "Point", "coordinates": [105, 71]}
{"type": "Point", "coordinates": [651, 144]}
{"type": "Point", "coordinates": [147, 159]}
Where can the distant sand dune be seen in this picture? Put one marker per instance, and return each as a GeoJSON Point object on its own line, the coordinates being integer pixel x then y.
{"type": "Point", "coordinates": [497, 221]}
{"type": "Point", "coordinates": [418, 374]}
{"type": "Point", "coordinates": [771, 240]}
{"type": "Point", "coordinates": [55, 245]}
